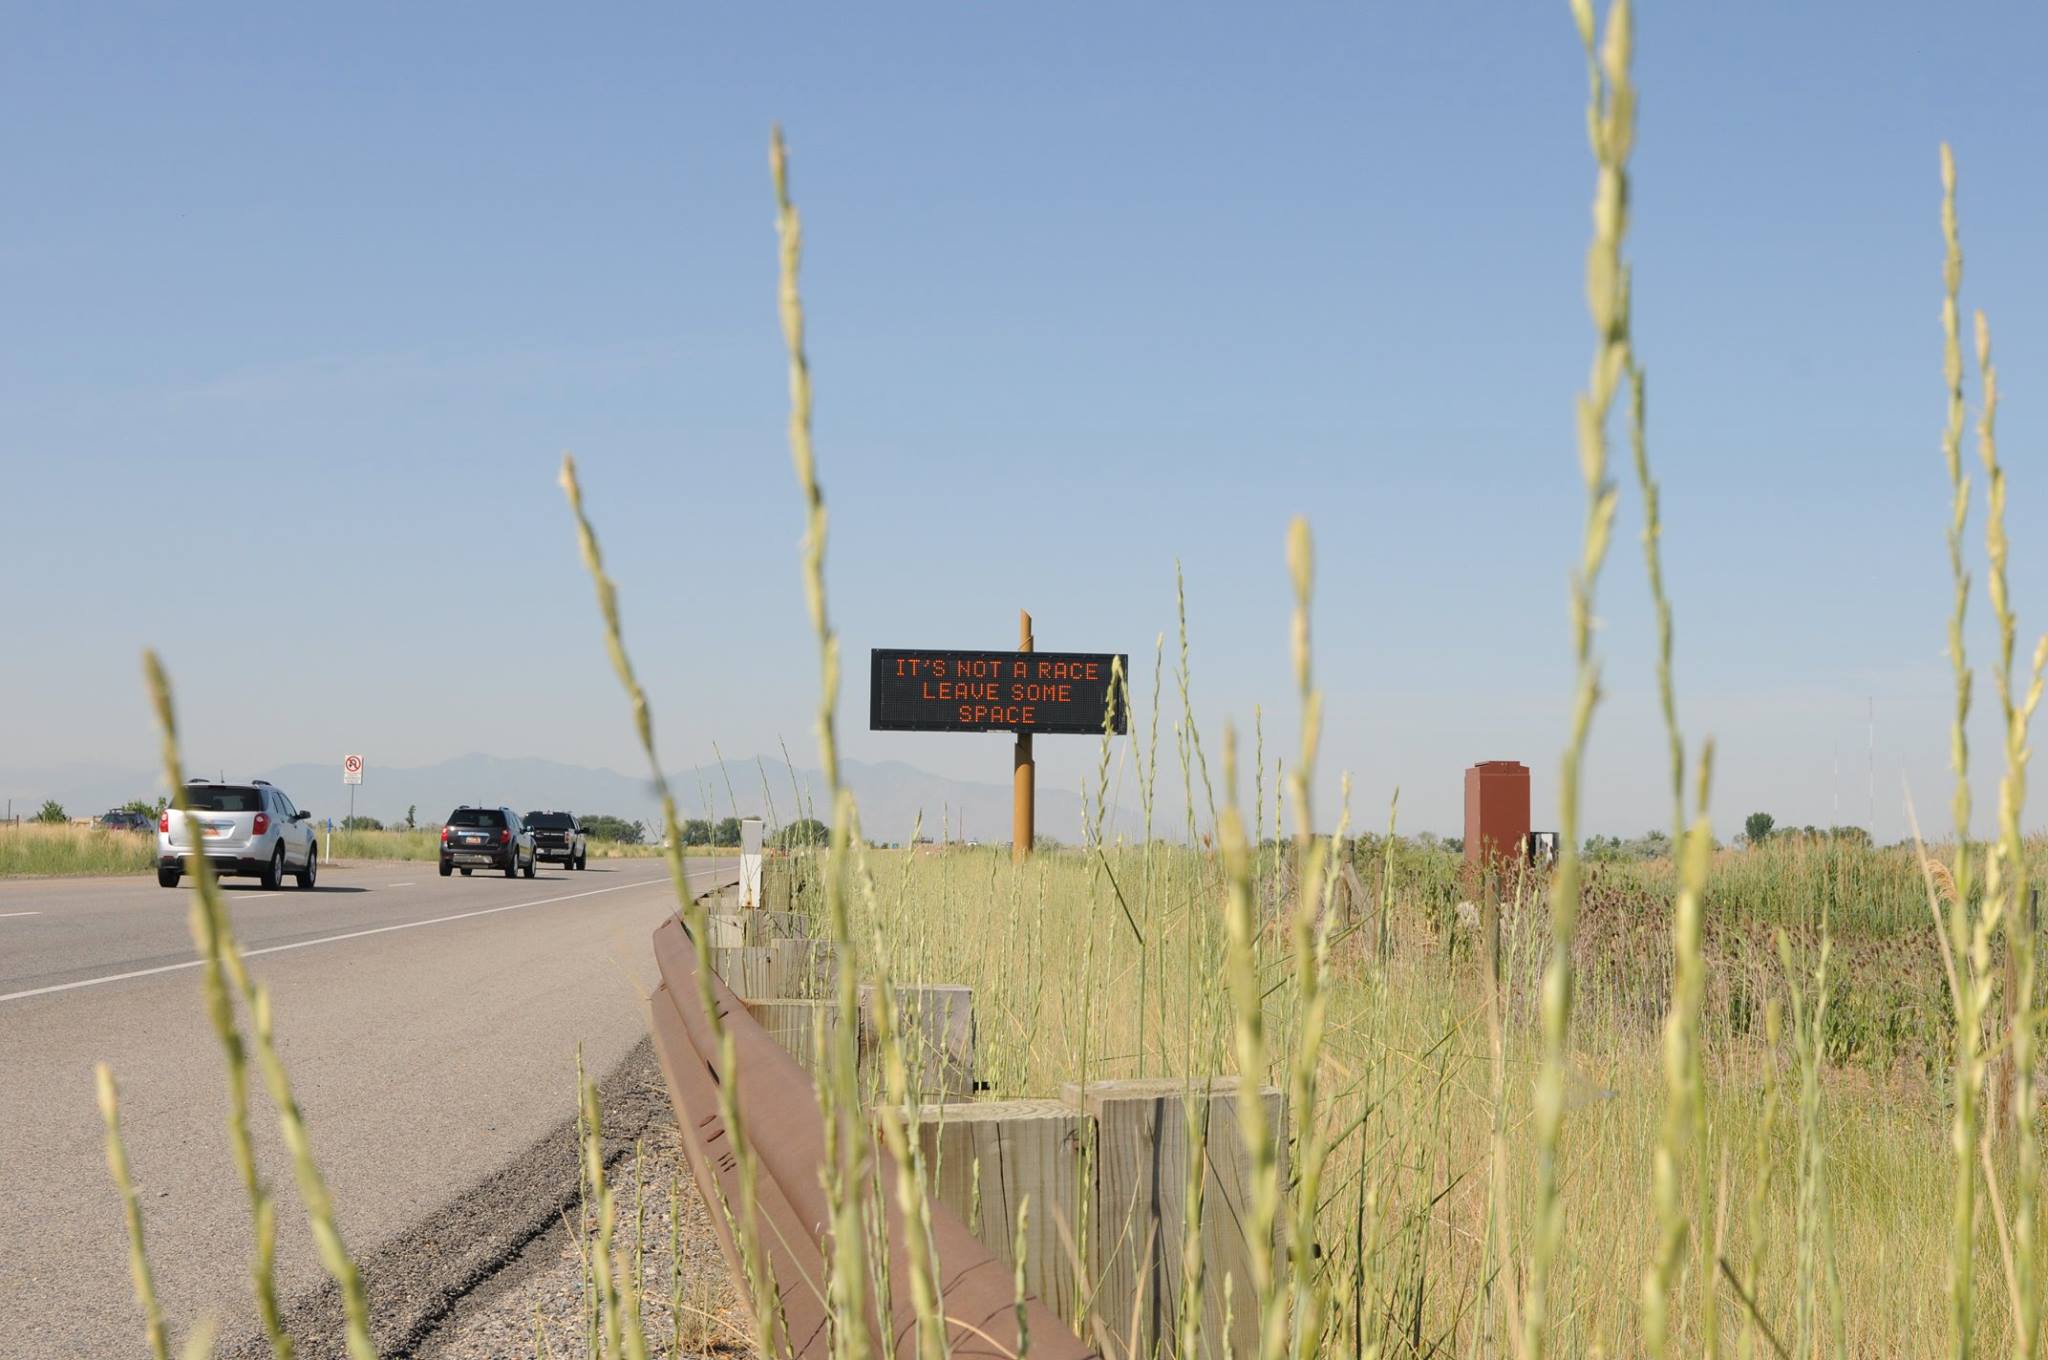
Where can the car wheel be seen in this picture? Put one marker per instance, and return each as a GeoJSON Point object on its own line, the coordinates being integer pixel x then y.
{"type": "Point", "coordinates": [273, 873]}
{"type": "Point", "coordinates": [466, 873]}
{"type": "Point", "coordinates": [446, 869]}
{"type": "Point", "coordinates": [512, 864]}
{"type": "Point", "coordinates": [311, 873]}
{"type": "Point", "coordinates": [583, 861]}
{"type": "Point", "coordinates": [167, 878]}
{"type": "Point", "coordinates": [532, 865]}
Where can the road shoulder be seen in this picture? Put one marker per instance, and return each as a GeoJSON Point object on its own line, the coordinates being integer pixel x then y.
{"type": "Point", "coordinates": [465, 1281]}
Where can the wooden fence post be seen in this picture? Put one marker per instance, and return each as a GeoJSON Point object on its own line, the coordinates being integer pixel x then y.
{"type": "Point", "coordinates": [793, 1024]}
{"type": "Point", "coordinates": [1139, 1217]}
{"type": "Point", "coordinates": [985, 1157]}
{"type": "Point", "coordinates": [938, 1037]}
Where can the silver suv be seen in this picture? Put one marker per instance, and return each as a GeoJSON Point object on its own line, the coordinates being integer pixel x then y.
{"type": "Point", "coordinates": [241, 829]}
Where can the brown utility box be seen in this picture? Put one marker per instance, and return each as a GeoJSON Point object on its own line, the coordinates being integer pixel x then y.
{"type": "Point", "coordinates": [1496, 815]}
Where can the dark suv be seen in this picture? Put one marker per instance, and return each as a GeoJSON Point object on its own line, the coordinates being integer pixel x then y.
{"type": "Point", "coordinates": [486, 838]}
{"type": "Point", "coordinates": [559, 839]}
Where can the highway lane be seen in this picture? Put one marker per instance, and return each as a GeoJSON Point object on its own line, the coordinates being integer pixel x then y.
{"type": "Point", "coordinates": [430, 1026]}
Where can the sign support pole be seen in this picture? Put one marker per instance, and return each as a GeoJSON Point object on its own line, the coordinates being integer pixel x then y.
{"type": "Point", "coordinates": [1024, 812]}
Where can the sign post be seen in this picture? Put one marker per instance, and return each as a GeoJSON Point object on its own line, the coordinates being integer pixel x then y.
{"type": "Point", "coordinates": [1024, 776]}
{"type": "Point", "coordinates": [1026, 691]}
{"type": "Point", "coordinates": [351, 775]}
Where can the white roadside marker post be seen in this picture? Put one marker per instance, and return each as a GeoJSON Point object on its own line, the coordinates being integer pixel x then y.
{"type": "Point", "coordinates": [750, 864]}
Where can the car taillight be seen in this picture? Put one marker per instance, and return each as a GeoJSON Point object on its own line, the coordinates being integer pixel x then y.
{"type": "Point", "coordinates": [262, 822]}
{"type": "Point", "coordinates": [444, 835]}
{"type": "Point", "coordinates": [163, 822]}
{"type": "Point", "coordinates": [505, 836]}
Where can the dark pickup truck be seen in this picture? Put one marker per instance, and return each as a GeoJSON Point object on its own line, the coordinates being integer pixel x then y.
{"type": "Point", "coordinates": [559, 839]}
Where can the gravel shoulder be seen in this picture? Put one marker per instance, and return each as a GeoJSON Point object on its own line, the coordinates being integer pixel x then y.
{"type": "Point", "coordinates": [500, 1270]}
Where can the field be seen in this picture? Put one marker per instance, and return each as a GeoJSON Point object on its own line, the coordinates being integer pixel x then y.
{"type": "Point", "coordinates": [30, 849]}
{"type": "Point", "coordinates": [1407, 1072]}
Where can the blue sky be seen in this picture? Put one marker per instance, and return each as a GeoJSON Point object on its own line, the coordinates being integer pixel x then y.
{"type": "Point", "coordinates": [302, 310]}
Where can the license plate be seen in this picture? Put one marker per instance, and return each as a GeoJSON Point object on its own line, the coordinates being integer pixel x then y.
{"type": "Point", "coordinates": [214, 831]}
{"type": "Point", "coordinates": [472, 840]}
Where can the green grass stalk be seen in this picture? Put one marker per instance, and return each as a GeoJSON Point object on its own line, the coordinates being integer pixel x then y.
{"type": "Point", "coordinates": [1263, 1205]}
{"type": "Point", "coordinates": [675, 1266]}
{"type": "Point", "coordinates": [1818, 1309]}
{"type": "Point", "coordinates": [847, 1139]}
{"type": "Point", "coordinates": [1961, 1278]}
{"type": "Point", "coordinates": [1684, 1132]}
{"type": "Point", "coordinates": [209, 932]}
{"type": "Point", "coordinates": [1313, 914]}
{"type": "Point", "coordinates": [610, 1310]}
{"type": "Point", "coordinates": [1020, 1250]}
{"type": "Point", "coordinates": [898, 1114]}
{"type": "Point", "coordinates": [219, 936]}
{"type": "Point", "coordinates": [1763, 1153]}
{"type": "Point", "coordinates": [765, 1302]}
{"type": "Point", "coordinates": [1194, 1191]}
{"type": "Point", "coordinates": [131, 1213]}
{"type": "Point", "coordinates": [2007, 881]}
{"type": "Point", "coordinates": [1611, 128]}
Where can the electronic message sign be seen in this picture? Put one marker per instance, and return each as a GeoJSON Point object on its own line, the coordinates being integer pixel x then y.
{"type": "Point", "coordinates": [1022, 692]}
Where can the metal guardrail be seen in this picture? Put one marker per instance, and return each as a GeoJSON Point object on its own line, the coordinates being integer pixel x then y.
{"type": "Point", "coordinates": [779, 1106]}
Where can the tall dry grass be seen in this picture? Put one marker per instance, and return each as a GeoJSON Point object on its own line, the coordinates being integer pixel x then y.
{"type": "Point", "coordinates": [31, 850]}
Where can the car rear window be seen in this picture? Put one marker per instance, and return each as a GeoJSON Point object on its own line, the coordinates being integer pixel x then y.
{"type": "Point", "coordinates": [549, 821]}
{"type": "Point", "coordinates": [223, 798]}
{"type": "Point", "coordinates": [476, 817]}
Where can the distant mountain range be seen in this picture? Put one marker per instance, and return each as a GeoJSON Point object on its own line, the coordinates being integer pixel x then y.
{"type": "Point", "coordinates": [891, 794]}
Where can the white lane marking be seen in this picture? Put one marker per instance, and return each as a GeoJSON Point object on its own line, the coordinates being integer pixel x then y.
{"type": "Point", "coordinates": [324, 939]}
{"type": "Point", "coordinates": [398, 885]}
{"type": "Point", "coordinates": [5, 914]}
{"type": "Point", "coordinates": [251, 897]}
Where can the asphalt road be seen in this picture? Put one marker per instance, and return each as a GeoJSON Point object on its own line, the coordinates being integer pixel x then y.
{"type": "Point", "coordinates": [430, 1026]}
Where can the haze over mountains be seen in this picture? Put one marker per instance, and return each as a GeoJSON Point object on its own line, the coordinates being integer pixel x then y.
{"type": "Point", "coordinates": [891, 794]}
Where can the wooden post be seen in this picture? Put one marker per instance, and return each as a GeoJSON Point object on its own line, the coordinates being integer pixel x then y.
{"type": "Point", "coordinates": [1024, 813]}
{"type": "Point", "coordinates": [778, 968]}
{"type": "Point", "coordinates": [808, 967]}
{"type": "Point", "coordinates": [1139, 1215]}
{"type": "Point", "coordinates": [938, 1037]}
{"type": "Point", "coordinates": [937, 1025]}
{"type": "Point", "coordinates": [778, 884]}
{"type": "Point", "coordinates": [983, 1158]}
{"type": "Point", "coordinates": [725, 932]}
{"type": "Point", "coordinates": [792, 1024]}
{"type": "Point", "coordinates": [765, 927]}
{"type": "Point", "coordinates": [753, 970]}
